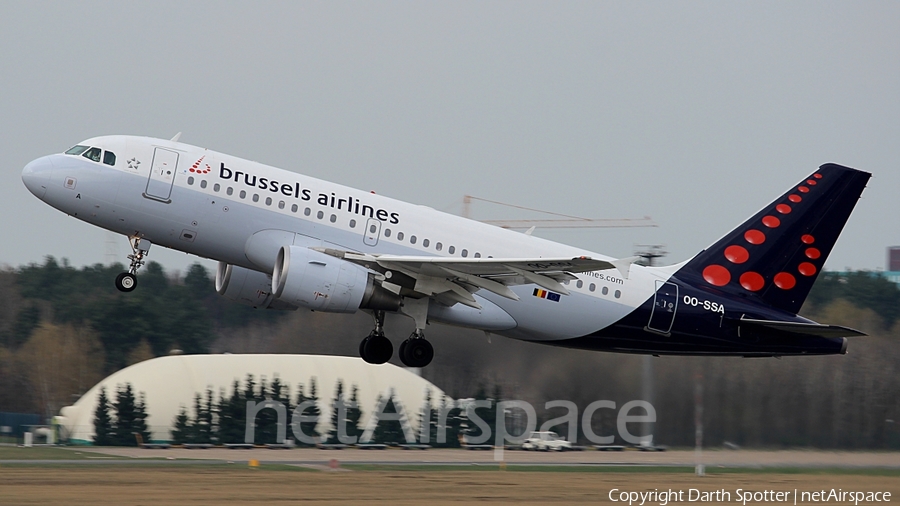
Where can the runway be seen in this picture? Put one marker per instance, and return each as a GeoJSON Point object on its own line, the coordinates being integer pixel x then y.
{"type": "Point", "coordinates": [458, 457]}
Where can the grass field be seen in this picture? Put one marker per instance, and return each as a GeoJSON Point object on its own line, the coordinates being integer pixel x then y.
{"type": "Point", "coordinates": [400, 484]}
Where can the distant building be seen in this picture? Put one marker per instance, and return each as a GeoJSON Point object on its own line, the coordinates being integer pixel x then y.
{"type": "Point", "coordinates": [170, 384]}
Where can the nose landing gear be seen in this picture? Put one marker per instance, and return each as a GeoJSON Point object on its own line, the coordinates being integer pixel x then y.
{"type": "Point", "coordinates": [127, 281]}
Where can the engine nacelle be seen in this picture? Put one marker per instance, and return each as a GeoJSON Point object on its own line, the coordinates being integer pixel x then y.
{"type": "Point", "coordinates": [314, 280]}
{"type": "Point", "coordinates": [248, 287]}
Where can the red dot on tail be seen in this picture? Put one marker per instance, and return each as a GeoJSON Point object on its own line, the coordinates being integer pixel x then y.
{"type": "Point", "coordinates": [785, 280]}
{"type": "Point", "coordinates": [754, 236]}
{"type": "Point", "coordinates": [795, 198]}
{"type": "Point", "coordinates": [771, 221]}
{"type": "Point", "coordinates": [813, 253]}
{"type": "Point", "coordinates": [783, 208]}
{"type": "Point", "coordinates": [803, 189]}
{"type": "Point", "coordinates": [737, 254]}
{"type": "Point", "coordinates": [752, 281]}
{"type": "Point", "coordinates": [817, 175]}
{"type": "Point", "coordinates": [807, 239]}
{"type": "Point", "coordinates": [716, 275]}
{"type": "Point", "coordinates": [811, 182]}
{"type": "Point", "coordinates": [807, 269]}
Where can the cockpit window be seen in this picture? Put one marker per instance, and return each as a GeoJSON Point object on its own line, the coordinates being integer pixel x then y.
{"type": "Point", "coordinates": [109, 158]}
{"type": "Point", "coordinates": [92, 154]}
{"type": "Point", "coordinates": [76, 150]}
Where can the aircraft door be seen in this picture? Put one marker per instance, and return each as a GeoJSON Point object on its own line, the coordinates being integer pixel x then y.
{"type": "Point", "coordinates": [162, 175]}
{"type": "Point", "coordinates": [665, 303]}
{"type": "Point", "coordinates": [372, 232]}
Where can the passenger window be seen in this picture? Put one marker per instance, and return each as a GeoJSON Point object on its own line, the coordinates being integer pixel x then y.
{"type": "Point", "coordinates": [579, 283]}
{"type": "Point", "coordinates": [190, 180]}
{"type": "Point", "coordinates": [320, 215]}
{"type": "Point", "coordinates": [280, 204]}
{"type": "Point", "coordinates": [465, 252]}
{"type": "Point", "coordinates": [425, 243]}
{"type": "Point", "coordinates": [373, 229]}
{"type": "Point", "coordinates": [451, 250]}
{"type": "Point", "coordinates": [243, 194]}
{"type": "Point", "coordinates": [202, 183]}
{"type": "Point", "coordinates": [109, 158]}
{"type": "Point", "coordinates": [387, 232]}
{"type": "Point", "coordinates": [333, 218]}
{"type": "Point", "coordinates": [76, 150]}
{"type": "Point", "coordinates": [268, 201]}
{"type": "Point", "coordinates": [412, 239]}
{"type": "Point", "coordinates": [352, 223]}
{"type": "Point", "coordinates": [477, 255]}
{"type": "Point", "coordinates": [255, 197]}
{"type": "Point", "coordinates": [307, 211]}
{"type": "Point", "coordinates": [605, 290]}
{"type": "Point", "coordinates": [618, 294]}
{"type": "Point", "coordinates": [229, 190]}
{"type": "Point", "coordinates": [592, 287]}
{"type": "Point", "coordinates": [294, 208]}
{"type": "Point", "coordinates": [438, 246]}
{"type": "Point", "coordinates": [399, 236]}
{"type": "Point", "coordinates": [216, 187]}
{"type": "Point", "coordinates": [92, 154]}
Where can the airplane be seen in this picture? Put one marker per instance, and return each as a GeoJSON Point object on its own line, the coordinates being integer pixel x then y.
{"type": "Point", "coordinates": [287, 241]}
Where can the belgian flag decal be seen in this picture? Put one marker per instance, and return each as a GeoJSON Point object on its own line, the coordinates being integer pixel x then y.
{"type": "Point", "coordinates": [544, 294]}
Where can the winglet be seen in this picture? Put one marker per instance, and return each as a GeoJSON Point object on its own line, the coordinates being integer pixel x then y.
{"type": "Point", "coordinates": [623, 265]}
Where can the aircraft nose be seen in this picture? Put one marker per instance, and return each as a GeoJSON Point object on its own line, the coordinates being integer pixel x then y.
{"type": "Point", "coordinates": [36, 176]}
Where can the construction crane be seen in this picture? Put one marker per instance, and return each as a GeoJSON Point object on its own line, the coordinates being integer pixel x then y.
{"type": "Point", "coordinates": [564, 220]}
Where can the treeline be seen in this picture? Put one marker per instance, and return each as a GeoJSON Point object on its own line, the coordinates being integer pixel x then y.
{"type": "Point", "coordinates": [63, 329]}
{"type": "Point", "coordinates": [223, 421]}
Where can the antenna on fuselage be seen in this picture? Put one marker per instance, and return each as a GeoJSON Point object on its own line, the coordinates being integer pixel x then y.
{"type": "Point", "coordinates": [177, 136]}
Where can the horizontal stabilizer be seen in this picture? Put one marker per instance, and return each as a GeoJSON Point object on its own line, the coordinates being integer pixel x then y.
{"type": "Point", "coordinates": [805, 329]}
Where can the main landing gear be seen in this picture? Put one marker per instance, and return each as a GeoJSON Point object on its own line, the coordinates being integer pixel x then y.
{"type": "Point", "coordinates": [127, 281]}
{"type": "Point", "coordinates": [377, 349]}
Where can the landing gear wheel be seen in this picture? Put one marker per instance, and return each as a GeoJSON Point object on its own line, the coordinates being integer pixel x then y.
{"type": "Point", "coordinates": [126, 282]}
{"type": "Point", "coordinates": [376, 349]}
{"type": "Point", "coordinates": [416, 352]}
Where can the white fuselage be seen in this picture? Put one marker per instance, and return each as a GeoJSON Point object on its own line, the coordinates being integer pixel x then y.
{"type": "Point", "coordinates": [240, 212]}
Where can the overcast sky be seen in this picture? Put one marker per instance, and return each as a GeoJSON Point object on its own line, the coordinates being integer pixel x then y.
{"type": "Point", "coordinates": [694, 113]}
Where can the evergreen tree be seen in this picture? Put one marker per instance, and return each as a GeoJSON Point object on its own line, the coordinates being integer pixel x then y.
{"type": "Point", "coordinates": [205, 427]}
{"type": "Point", "coordinates": [308, 428]}
{"type": "Point", "coordinates": [140, 418]}
{"type": "Point", "coordinates": [195, 430]}
{"type": "Point", "coordinates": [354, 414]}
{"type": "Point", "coordinates": [231, 416]}
{"type": "Point", "coordinates": [123, 428]}
{"type": "Point", "coordinates": [455, 424]}
{"type": "Point", "coordinates": [180, 431]}
{"type": "Point", "coordinates": [103, 425]}
{"type": "Point", "coordinates": [428, 421]}
{"type": "Point", "coordinates": [388, 431]}
{"type": "Point", "coordinates": [336, 405]}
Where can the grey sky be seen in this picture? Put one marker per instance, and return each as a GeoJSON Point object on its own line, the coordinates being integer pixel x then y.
{"type": "Point", "coordinates": [695, 113]}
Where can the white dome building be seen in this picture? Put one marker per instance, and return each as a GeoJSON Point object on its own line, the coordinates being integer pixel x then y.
{"type": "Point", "coordinates": [170, 384]}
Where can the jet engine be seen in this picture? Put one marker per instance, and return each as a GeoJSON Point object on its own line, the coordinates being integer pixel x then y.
{"type": "Point", "coordinates": [307, 278]}
{"type": "Point", "coordinates": [248, 287]}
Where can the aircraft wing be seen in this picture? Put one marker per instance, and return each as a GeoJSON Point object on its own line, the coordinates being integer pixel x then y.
{"type": "Point", "coordinates": [454, 280]}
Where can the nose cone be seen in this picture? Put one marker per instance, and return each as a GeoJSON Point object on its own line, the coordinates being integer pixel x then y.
{"type": "Point", "coordinates": [36, 176]}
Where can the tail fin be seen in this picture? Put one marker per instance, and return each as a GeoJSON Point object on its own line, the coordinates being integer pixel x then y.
{"type": "Point", "coordinates": [776, 255]}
